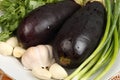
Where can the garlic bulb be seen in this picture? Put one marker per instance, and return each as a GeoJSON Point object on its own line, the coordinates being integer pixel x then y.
{"type": "Point", "coordinates": [37, 56]}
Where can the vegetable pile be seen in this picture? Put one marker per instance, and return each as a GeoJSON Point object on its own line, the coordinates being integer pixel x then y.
{"type": "Point", "coordinates": [105, 54]}
{"type": "Point", "coordinates": [87, 25]}
{"type": "Point", "coordinates": [101, 57]}
{"type": "Point", "coordinates": [41, 25]}
{"type": "Point", "coordinates": [14, 11]}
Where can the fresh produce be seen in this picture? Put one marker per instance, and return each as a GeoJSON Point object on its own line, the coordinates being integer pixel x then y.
{"type": "Point", "coordinates": [80, 35]}
{"type": "Point", "coordinates": [83, 2]}
{"type": "Point", "coordinates": [13, 41]}
{"type": "Point", "coordinates": [13, 11]}
{"type": "Point", "coordinates": [38, 56]}
{"type": "Point", "coordinates": [41, 73]}
{"type": "Point", "coordinates": [42, 24]}
{"type": "Point", "coordinates": [5, 48]}
{"type": "Point", "coordinates": [104, 56]}
{"type": "Point", "coordinates": [18, 51]}
{"type": "Point", "coordinates": [58, 72]}
{"type": "Point", "coordinates": [100, 61]}
{"type": "Point", "coordinates": [11, 47]}
{"type": "Point", "coordinates": [54, 72]}
{"type": "Point", "coordinates": [42, 64]}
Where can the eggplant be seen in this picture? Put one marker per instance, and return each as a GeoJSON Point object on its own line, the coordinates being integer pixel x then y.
{"type": "Point", "coordinates": [41, 25]}
{"type": "Point", "coordinates": [80, 35]}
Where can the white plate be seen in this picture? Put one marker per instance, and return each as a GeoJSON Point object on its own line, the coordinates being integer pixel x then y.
{"type": "Point", "coordinates": [13, 67]}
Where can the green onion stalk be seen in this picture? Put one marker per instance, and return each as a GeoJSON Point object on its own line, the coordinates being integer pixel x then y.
{"type": "Point", "coordinates": [119, 29]}
{"type": "Point", "coordinates": [116, 15]}
{"type": "Point", "coordinates": [106, 53]}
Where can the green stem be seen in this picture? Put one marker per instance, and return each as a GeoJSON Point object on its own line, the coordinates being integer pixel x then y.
{"type": "Point", "coordinates": [116, 50]}
{"type": "Point", "coordinates": [115, 17]}
{"type": "Point", "coordinates": [81, 2]}
{"type": "Point", "coordinates": [104, 58]}
{"type": "Point", "coordinates": [119, 29]}
{"type": "Point", "coordinates": [116, 41]}
{"type": "Point", "coordinates": [99, 46]}
{"type": "Point", "coordinates": [87, 67]}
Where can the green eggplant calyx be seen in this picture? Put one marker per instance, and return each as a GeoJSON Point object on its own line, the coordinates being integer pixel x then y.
{"type": "Point", "coordinates": [64, 61]}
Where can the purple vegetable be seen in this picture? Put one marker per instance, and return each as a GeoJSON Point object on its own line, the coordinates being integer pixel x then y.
{"type": "Point", "coordinates": [80, 35]}
{"type": "Point", "coordinates": [42, 24]}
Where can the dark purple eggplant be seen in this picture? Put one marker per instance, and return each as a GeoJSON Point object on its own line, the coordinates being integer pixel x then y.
{"type": "Point", "coordinates": [80, 35]}
{"type": "Point", "coordinates": [42, 24]}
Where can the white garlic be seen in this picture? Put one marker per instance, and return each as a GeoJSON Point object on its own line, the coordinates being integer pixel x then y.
{"type": "Point", "coordinates": [12, 41]}
{"type": "Point", "coordinates": [50, 53]}
{"type": "Point", "coordinates": [58, 72]}
{"type": "Point", "coordinates": [5, 48]}
{"type": "Point", "coordinates": [41, 73]}
{"type": "Point", "coordinates": [28, 59]}
{"type": "Point", "coordinates": [45, 56]}
{"type": "Point", "coordinates": [37, 56]}
{"type": "Point", "coordinates": [18, 51]}
{"type": "Point", "coordinates": [49, 47]}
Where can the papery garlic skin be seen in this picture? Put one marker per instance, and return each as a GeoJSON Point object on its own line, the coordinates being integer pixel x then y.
{"type": "Point", "coordinates": [37, 56]}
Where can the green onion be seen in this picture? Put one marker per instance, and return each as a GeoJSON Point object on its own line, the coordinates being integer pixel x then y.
{"type": "Point", "coordinates": [105, 54]}
{"type": "Point", "coordinates": [103, 57]}
{"type": "Point", "coordinates": [87, 68]}
{"type": "Point", "coordinates": [113, 58]}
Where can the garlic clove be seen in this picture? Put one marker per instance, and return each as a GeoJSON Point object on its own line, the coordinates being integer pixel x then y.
{"type": "Point", "coordinates": [18, 51]}
{"type": "Point", "coordinates": [29, 58]}
{"type": "Point", "coordinates": [12, 41]}
{"type": "Point", "coordinates": [44, 55]}
{"type": "Point", "coordinates": [52, 60]}
{"type": "Point", "coordinates": [6, 49]}
{"type": "Point", "coordinates": [58, 72]}
{"type": "Point", "coordinates": [41, 73]}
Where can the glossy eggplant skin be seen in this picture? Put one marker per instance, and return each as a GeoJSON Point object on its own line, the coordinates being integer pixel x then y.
{"type": "Point", "coordinates": [80, 35]}
{"type": "Point", "coordinates": [42, 24]}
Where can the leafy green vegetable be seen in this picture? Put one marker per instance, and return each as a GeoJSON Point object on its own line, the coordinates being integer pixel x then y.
{"type": "Point", "coordinates": [14, 11]}
{"type": "Point", "coordinates": [105, 54]}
